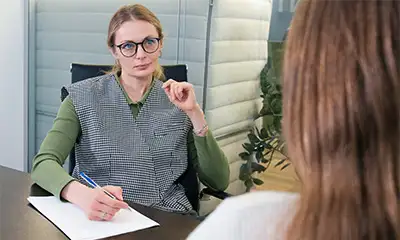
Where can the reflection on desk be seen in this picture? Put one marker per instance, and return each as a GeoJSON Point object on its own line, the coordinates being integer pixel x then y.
{"type": "Point", "coordinates": [19, 220]}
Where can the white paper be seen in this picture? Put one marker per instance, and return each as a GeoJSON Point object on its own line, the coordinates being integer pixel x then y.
{"type": "Point", "coordinates": [75, 224]}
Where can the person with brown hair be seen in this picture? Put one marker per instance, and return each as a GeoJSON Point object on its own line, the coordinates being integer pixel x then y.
{"type": "Point", "coordinates": [341, 88]}
{"type": "Point", "coordinates": [134, 135]}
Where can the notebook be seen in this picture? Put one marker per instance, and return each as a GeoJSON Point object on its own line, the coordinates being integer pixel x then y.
{"type": "Point", "coordinates": [75, 224]}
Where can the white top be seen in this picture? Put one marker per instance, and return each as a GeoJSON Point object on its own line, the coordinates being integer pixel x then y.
{"type": "Point", "coordinates": [256, 215]}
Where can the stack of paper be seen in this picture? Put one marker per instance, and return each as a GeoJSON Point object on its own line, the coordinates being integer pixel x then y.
{"type": "Point", "coordinates": [75, 224]}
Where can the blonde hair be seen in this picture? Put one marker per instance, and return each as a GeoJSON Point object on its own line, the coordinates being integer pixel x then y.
{"type": "Point", "coordinates": [341, 90]}
{"type": "Point", "coordinates": [128, 13]}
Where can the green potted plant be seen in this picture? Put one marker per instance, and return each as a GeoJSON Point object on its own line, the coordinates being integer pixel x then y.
{"type": "Point", "coordinates": [265, 143]}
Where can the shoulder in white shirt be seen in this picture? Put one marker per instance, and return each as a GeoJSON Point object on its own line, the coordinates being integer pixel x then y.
{"type": "Point", "coordinates": [256, 215]}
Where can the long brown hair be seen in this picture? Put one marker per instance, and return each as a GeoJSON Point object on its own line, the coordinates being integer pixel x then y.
{"type": "Point", "coordinates": [341, 118]}
{"type": "Point", "coordinates": [128, 13]}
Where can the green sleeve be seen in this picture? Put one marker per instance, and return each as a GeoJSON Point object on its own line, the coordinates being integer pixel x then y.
{"type": "Point", "coordinates": [47, 170]}
{"type": "Point", "coordinates": [209, 161]}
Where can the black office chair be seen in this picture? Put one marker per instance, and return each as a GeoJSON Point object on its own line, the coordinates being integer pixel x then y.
{"type": "Point", "coordinates": [189, 179]}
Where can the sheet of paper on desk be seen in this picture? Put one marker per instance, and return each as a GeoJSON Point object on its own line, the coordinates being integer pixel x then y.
{"type": "Point", "coordinates": [75, 224]}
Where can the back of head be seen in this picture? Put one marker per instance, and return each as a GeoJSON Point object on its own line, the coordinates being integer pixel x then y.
{"type": "Point", "coordinates": [341, 118]}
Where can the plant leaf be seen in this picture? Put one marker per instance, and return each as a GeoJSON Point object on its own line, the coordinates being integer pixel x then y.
{"type": "Point", "coordinates": [257, 116]}
{"type": "Point", "coordinates": [264, 160]}
{"type": "Point", "coordinates": [257, 167]}
{"type": "Point", "coordinates": [244, 155]}
{"type": "Point", "coordinates": [257, 181]}
{"type": "Point", "coordinates": [260, 147]}
{"type": "Point", "coordinates": [244, 174]}
{"type": "Point", "coordinates": [264, 133]}
{"type": "Point", "coordinates": [253, 138]}
{"type": "Point", "coordinates": [249, 184]}
{"type": "Point", "coordinates": [258, 132]}
{"type": "Point", "coordinates": [274, 102]}
{"type": "Point", "coordinates": [259, 155]}
{"type": "Point", "coordinates": [265, 110]}
{"type": "Point", "coordinates": [248, 147]}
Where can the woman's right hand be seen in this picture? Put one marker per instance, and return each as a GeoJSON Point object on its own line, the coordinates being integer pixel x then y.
{"type": "Point", "coordinates": [94, 202]}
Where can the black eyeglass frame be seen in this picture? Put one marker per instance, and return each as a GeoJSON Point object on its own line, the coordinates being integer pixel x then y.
{"type": "Point", "coordinates": [137, 46]}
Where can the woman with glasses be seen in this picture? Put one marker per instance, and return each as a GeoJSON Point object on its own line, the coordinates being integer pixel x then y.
{"type": "Point", "coordinates": [133, 134]}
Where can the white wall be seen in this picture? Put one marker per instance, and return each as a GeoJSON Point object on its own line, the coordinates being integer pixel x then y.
{"type": "Point", "coordinates": [13, 84]}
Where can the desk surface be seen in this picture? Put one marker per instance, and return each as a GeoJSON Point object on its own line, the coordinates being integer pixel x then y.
{"type": "Point", "coordinates": [19, 220]}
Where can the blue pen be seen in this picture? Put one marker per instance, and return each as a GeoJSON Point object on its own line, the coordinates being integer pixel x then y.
{"type": "Point", "coordinates": [93, 184]}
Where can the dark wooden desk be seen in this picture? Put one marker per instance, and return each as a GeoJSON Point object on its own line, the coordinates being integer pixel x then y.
{"type": "Point", "coordinates": [19, 220]}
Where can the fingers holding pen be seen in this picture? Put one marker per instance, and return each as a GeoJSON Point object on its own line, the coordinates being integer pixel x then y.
{"type": "Point", "coordinates": [104, 208]}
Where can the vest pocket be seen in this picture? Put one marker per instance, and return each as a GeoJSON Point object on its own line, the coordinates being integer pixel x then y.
{"type": "Point", "coordinates": [171, 129]}
{"type": "Point", "coordinates": [170, 138]}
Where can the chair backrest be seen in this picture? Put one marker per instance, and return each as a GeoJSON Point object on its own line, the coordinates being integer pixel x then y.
{"type": "Point", "coordinates": [80, 72]}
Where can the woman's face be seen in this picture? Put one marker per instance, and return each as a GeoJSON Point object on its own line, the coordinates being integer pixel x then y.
{"type": "Point", "coordinates": [137, 48]}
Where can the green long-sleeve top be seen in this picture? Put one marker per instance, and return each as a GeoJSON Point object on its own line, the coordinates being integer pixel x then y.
{"type": "Point", "coordinates": [47, 171]}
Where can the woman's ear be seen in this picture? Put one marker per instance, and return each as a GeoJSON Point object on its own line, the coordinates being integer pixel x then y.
{"type": "Point", "coordinates": [113, 52]}
{"type": "Point", "coordinates": [161, 48]}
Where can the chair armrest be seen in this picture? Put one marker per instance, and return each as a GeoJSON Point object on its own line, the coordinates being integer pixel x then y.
{"type": "Point", "coordinates": [218, 194]}
{"type": "Point", "coordinates": [64, 93]}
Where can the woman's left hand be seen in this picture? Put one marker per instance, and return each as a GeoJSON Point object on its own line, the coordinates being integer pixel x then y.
{"type": "Point", "coordinates": [181, 94]}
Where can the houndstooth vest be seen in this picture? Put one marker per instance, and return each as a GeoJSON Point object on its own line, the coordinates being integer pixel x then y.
{"type": "Point", "coordinates": [145, 156]}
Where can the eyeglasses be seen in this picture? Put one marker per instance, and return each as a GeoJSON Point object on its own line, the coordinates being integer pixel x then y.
{"type": "Point", "coordinates": [130, 48]}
